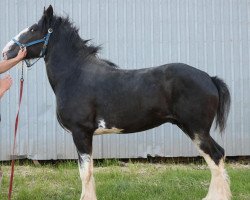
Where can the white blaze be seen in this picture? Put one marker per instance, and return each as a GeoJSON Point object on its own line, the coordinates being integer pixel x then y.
{"type": "Point", "coordinates": [10, 43]}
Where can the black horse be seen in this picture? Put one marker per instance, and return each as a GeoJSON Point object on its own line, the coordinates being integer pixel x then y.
{"type": "Point", "coordinates": [94, 96]}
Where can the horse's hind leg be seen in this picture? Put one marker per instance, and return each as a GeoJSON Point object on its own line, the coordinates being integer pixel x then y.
{"type": "Point", "coordinates": [214, 155]}
{"type": "Point", "coordinates": [83, 142]}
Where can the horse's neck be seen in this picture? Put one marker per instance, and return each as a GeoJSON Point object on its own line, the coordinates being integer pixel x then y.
{"type": "Point", "coordinates": [58, 65]}
{"type": "Point", "coordinates": [62, 60]}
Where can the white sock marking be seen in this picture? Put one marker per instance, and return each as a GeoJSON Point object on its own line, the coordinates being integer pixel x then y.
{"type": "Point", "coordinates": [86, 174]}
{"type": "Point", "coordinates": [219, 188]}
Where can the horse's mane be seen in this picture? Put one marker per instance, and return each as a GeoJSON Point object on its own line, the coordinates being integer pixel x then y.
{"type": "Point", "coordinates": [72, 38]}
{"type": "Point", "coordinates": [71, 35]}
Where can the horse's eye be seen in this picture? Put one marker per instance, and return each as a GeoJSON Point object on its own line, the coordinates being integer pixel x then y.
{"type": "Point", "coordinates": [33, 30]}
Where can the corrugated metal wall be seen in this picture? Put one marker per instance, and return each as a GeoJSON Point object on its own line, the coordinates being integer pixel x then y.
{"type": "Point", "coordinates": [212, 35]}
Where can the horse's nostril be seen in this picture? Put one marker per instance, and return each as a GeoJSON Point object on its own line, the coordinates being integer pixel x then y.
{"type": "Point", "coordinates": [4, 55]}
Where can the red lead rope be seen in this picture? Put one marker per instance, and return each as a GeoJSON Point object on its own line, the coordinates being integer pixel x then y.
{"type": "Point", "coordinates": [15, 133]}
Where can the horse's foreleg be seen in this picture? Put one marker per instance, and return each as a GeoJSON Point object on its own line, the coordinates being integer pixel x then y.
{"type": "Point", "coordinates": [86, 174]}
{"type": "Point", "coordinates": [83, 144]}
{"type": "Point", "coordinates": [219, 188]}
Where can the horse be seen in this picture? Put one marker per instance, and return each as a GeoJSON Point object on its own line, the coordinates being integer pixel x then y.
{"type": "Point", "coordinates": [94, 96]}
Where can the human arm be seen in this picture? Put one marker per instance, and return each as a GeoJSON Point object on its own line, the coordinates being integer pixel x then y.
{"type": "Point", "coordinates": [5, 65]}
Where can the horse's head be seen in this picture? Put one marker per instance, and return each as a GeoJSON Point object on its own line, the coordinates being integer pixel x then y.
{"type": "Point", "coordinates": [36, 32]}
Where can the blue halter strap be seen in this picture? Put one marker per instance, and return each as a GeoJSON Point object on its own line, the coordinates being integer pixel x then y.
{"type": "Point", "coordinates": [45, 40]}
{"type": "Point", "coordinates": [30, 43]}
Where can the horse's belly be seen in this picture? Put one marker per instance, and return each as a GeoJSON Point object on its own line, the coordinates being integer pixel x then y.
{"type": "Point", "coordinates": [128, 125]}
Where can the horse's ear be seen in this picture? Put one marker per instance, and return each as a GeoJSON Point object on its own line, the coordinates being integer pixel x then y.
{"type": "Point", "coordinates": [48, 13]}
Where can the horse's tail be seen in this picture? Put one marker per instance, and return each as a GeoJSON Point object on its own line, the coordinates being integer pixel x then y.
{"type": "Point", "coordinates": [224, 103]}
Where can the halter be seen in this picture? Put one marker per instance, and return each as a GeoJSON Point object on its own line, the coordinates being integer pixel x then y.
{"type": "Point", "coordinates": [45, 40]}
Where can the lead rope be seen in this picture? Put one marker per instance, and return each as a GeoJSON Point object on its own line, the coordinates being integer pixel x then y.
{"type": "Point", "coordinates": [15, 134]}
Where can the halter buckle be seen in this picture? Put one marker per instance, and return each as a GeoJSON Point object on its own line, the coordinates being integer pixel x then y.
{"type": "Point", "coordinates": [50, 30]}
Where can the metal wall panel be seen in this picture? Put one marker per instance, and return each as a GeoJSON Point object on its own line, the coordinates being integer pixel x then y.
{"type": "Point", "coordinates": [212, 35]}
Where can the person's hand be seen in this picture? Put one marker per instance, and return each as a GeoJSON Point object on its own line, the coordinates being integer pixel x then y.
{"type": "Point", "coordinates": [5, 83]}
{"type": "Point", "coordinates": [21, 54]}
